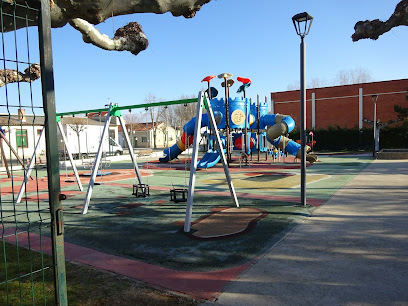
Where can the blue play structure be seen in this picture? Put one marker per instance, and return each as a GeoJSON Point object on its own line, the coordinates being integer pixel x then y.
{"type": "Point", "coordinates": [272, 128]}
{"type": "Point", "coordinates": [244, 126]}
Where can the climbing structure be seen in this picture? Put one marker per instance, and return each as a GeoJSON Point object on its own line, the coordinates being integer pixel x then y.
{"type": "Point", "coordinates": [249, 128]}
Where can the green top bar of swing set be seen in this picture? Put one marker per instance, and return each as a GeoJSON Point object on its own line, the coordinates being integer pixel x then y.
{"type": "Point", "coordinates": [115, 109]}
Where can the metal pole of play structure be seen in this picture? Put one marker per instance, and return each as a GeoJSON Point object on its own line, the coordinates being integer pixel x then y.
{"type": "Point", "coordinates": [224, 159]}
{"type": "Point", "coordinates": [71, 160]}
{"type": "Point", "coordinates": [96, 164]}
{"type": "Point", "coordinates": [193, 165]}
{"type": "Point", "coordinates": [29, 168]}
{"type": "Point", "coordinates": [131, 153]}
{"type": "Point", "coordinates": [258, 118]}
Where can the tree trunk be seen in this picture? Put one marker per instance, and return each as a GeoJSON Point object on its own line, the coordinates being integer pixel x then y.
{"type": "Point", "coordinates": [79, 145]}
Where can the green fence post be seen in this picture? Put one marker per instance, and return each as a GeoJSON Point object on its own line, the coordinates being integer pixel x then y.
{"type": "Point", "coordinates": [50, 125]}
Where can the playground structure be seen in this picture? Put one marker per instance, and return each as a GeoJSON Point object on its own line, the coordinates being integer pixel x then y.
{"type": "Point", "coordinates": [246, 130]}
{"type": "Point", "coordinates": [227, 133]}
{"type": "Point", "coordinates": [142, 188]}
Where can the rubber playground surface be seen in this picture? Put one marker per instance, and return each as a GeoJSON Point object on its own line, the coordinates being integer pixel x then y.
{"type": "Point", "coordinates": [143, 238]}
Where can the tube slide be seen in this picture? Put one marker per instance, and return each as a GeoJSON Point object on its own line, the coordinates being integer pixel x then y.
{"type": "Point", "coordinates": [279, 125]}
{"type": "Point", "coordinates": [185, 141]}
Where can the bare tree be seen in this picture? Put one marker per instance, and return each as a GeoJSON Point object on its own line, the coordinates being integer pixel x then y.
{"type": "Point", "coordinates": [83, 15]}
{"type": "Point", "coordinates": [295, 85]}
{"type": "Point", "coordinates": [131, 119]}
{"type": "Point", "coordinates": [352, 76]}
{"type": "Point", "coordinates": [343, 77]}
{"type": "Point", "coordinates": [378, 126]}
{"type": "Point", "coordinates": [182, 113]}
{"type": "Point", "coordinates": [317, 82]}
{"type": "Point", "coordinates": [375, 28]}
{"type": "Point", "coordinates": [155, 113]}
{"type": "Point", "coordinates": [78, 126]}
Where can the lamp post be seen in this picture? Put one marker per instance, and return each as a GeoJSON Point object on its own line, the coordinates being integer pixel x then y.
{"type": "Point", "coordinates": [302, 22]}
{"type": "Point", "coordinates": [375, 98]}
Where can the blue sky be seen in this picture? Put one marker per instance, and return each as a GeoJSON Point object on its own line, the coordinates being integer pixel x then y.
{"type": "Point", "coordinates": [254, 39]}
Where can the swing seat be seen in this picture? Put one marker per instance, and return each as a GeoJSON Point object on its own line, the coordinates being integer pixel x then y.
{"type": "Point", "coordinates": [178, 195]}
{"type": "Point", "coordinates": [97, 174]}
{"type": "Point", "coordinates": [141, 190]}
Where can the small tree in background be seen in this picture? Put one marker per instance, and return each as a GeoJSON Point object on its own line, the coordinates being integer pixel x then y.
{"type": "Point", "coordinates": [155, 114]}
{"type": "Point", "coordinates": [78, 127]}
{"type": "Point", "coordinates": [402, 112]}
{"type": "Point", "coordinates": [131, 119]}
{"type": "Point", "coordinates": [182, 113]}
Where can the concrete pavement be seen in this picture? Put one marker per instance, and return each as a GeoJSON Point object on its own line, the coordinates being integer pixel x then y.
{"type": "Point", "coordinates": [352, 251]}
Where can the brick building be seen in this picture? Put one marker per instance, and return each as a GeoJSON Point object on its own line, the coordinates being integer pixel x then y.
{"type": "Point", "coordinates": [343, 106]}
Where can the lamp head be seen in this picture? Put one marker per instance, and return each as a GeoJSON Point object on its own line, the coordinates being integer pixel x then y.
{"type": "Point", "coordinates": [302, 22]}
{"type": "Point", "coordinates": [374, 97]}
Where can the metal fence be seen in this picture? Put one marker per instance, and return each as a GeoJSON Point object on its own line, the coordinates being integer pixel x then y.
{"type": "Point", "coordinates": [32, 261]}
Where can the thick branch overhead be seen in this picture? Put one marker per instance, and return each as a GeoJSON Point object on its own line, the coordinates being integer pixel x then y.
{"type": "Point", "coordinates": [82, 15]}
{"type": "Point", "coordinates": [375, 28]}
{"type": "Point", "coordinates": [130, 37]}
{"type": "Point", "coordinates": [30, 74]}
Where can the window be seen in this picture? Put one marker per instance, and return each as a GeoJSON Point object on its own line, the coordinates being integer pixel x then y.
{"type": "Point", "coordinates": [39, 132]}
{"type": "Point", "coordinates": [21, 139]}
{"type": "Point", "coordinates": [144, 139]}
{"type": "Point", "coordinates": [112, 134]}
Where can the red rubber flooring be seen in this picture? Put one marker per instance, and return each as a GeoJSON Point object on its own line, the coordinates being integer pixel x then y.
{"type": "Point", "coordinates": [198, 285]}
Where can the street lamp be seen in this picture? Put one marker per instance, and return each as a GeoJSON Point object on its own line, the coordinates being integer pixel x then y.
{"type": "Point", "coordinates": [302, 22]}
{"type": "Point", "coordinates": [375, 98]}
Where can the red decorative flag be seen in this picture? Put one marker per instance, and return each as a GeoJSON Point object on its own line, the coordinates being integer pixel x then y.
{"type": "Point", "coordinates": [208, 78]}
{"type": "Point", "coordinates": [244, 80]}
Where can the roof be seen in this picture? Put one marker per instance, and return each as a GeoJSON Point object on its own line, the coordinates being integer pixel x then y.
{"type": "Point", "coordinates": [141, 126]}
{"type": "Point", "coordinates": [81, 120]}
{"type": "Point", "coordinates": [38, 120]}
{"type": "Point", "coordinates": [14, 120]}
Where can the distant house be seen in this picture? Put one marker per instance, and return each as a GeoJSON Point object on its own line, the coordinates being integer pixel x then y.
{"type": "Point", "coordinates": [22, 132]}
{"type": "Point", "coordinates": [142, 135]}
{"type": "Point", "coordinates": [76, 123]}
{"type": "Point", "coordinates": [83, 128]}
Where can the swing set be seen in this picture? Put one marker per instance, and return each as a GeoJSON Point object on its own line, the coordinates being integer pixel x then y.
{"type": "Point", "coordinates": [142, 189]}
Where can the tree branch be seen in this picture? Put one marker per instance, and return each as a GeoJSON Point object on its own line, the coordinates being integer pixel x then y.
{"type": "Point", "coordinates": [30, 74]}
{"type": "Point", "coordinates": [375, 28]}
{"type": "Point", "coordinates": [96, 11]}
{"type": "Point", "coordinates": [128, 38]}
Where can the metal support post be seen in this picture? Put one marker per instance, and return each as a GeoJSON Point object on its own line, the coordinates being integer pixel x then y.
{"type": "Point", "coordinates": [71, 160]}
{"type": "Point", "coordinates": [132, 155]}
{"type": "Point", "coordinates": [221, 151]}
{"type": "Point", "coordinates": [374, 126]}
{"type": "Point", "coordinates": [29, 169]}
{"type": "Point", "coordinates": [96, 163]}
{"type": "Point", "coordinates": [193, 164]}
{"type": "Point", "coordinates": [50, 126]}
